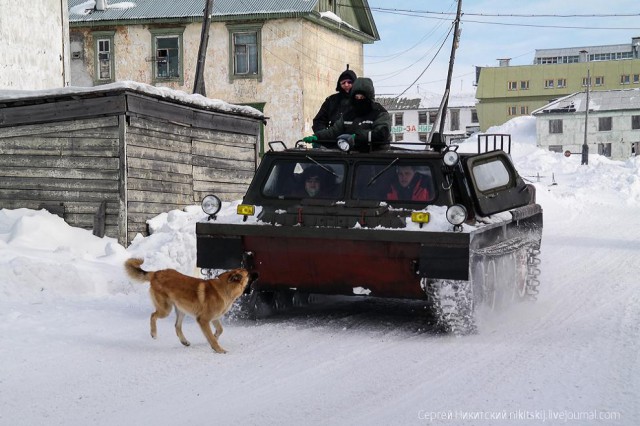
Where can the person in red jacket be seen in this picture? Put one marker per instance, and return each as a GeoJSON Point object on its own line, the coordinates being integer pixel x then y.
{"type": "Point", "coordinates": [410, 186]}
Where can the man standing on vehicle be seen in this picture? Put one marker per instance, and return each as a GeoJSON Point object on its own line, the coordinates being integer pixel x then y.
{"type": "Point", "coordinates": [337, 104]}
{"type": "Point", "coordinates": [366, 127]}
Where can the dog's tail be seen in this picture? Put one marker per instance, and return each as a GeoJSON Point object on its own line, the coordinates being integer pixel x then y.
{"type": "Point", "coordinates": [135, 272]}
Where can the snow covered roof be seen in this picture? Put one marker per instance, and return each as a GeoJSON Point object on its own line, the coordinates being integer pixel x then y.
{"type": "Point", "coordinates": [14, 96]}
{"type": "Point", "coordinates": [427, 101]}
{"type": "Point", "coordinates": [396, 104]}
{"type": "Point", "coordinates": [599, 100]}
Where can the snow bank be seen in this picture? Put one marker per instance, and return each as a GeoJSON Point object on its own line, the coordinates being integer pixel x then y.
{"type": "Point", "coordinates": [163, 92]}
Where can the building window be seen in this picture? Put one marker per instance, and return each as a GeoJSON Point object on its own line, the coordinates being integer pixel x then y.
{"type": "Point", "coordinates": [104, 57]}
{"type": "Point", "coordinates": [600, 81]}
{"type": "Point", "coordinates": [423, 118]}
{"type": "Point", "coordinates": [455, 119]}
{"type": "Point", "coordinates": [167, 54]}
{"type": "Point", "coordinates": [433, 116]}
{"type": "Point", "coordinates": [604, 149]}
{"type": "Point", "coordinates": [524, 110]}
{"type": "Point", "coordinates": [636, 78]}
{"type": "Point", "coordinates": [397, 118]}
{"type": "Point", "coordinates": [584, 81]}
{"type": "Point", "coordinates": [604, 124]}
{"type": "Point", "coordinates": [558, 60]}
{"type": "Point", "coordinates": [245, 45]}
{"type": "Point", "coordinates": [512, 85]}
{"type": "Point", "coordinates": [555, 148]}
{"type": "Point", "coordinates": [635, 122]}
{"type": "Point", "coordinates": [555, 126]}
{"type": "Point", "coordinates": [474, 116]}
{"type": "Point", "coordinates": [625, 79]}
{"type": "Point", "coordinates": [562, 82]}
{"type": "Point", "coordinates": [548, 84]}
{"type": "Point", "coordinates": [423, 137]}
{"type": "Point", "coordinates": [398, 137]}
{"type": "Point", "coordinates": [524, 85]}
{"type": "Point", "coordinates": [512, 110]}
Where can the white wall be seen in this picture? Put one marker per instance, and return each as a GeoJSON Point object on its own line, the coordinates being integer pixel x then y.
{"type": "Point", "coordinates": [621, 136]}
{"type": "Point", "coordinates": [411, 129]}
{"type": "Point", "coordinates": [34, 44]}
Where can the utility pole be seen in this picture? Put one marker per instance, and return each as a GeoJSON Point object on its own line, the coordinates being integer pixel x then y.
{"type": "Point", "coordinates": [454, 46]}
{"type": "Point", "coordinates": [585, 147]}
{"type": "Point", "coordinates": [198, 84]}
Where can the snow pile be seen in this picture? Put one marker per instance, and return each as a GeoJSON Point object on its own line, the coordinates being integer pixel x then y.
{"type": "Point", "coordinates": [43, 256]}
{"type": "Point", "coordinates": [163, 92]}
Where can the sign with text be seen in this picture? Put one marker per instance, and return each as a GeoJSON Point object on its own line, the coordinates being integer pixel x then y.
{"type": "Point", "coordinates": [421, 128]}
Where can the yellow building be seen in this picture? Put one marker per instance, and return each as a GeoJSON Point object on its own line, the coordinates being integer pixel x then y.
{"type": "Point", "coordinates": [506, 91]}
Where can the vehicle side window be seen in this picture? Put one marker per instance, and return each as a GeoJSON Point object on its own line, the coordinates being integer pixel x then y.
{"type": "Point", "coordinates": [490, 175]}
{"type": "Point", "coordinates": [278, 184]}
{"type": "Point", "coordinates": [397, 182]}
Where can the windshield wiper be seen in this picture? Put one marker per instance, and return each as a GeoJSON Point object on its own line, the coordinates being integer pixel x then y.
{"type": "Point", "coordinates": [325, 168]}
{"type": "Point", "coordinates": [373, 179]}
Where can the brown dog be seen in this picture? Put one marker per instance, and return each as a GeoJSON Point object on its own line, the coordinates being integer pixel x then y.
{"type": "Point", "coordinates": [206, 300]}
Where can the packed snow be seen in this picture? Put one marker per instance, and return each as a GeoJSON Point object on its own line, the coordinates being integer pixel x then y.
{"type": "Point", "coordinates": [75, 345]}
{"type": "Point", "coordinates": [89, 6]}
{"type": "Point", "coordinates": [158, 91]}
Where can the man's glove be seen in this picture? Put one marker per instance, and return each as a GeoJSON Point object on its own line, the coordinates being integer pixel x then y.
{"type": "Point", "coordinates": [346, 141]}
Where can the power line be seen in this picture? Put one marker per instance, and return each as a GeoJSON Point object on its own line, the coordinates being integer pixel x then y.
{"type": "Point", "coordinates": [413, 12]}
{"type": "Point", "coordinates": [395, 73]}
{"type": "Point", "coordinates": [395, 55]}
{"type": "Point", "coordinates": [428, 65]}
{"type": "Point", "coordinates": [565, 27]}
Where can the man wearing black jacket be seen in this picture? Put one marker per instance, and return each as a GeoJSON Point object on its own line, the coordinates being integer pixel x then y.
{"type": "Point", "coordinates": [365, 127]}
{"type": "Point", "coordinates": [335, 105]}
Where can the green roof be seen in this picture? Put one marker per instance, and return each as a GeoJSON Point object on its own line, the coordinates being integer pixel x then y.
{"type": "Point", "coordinates": [83, 13]}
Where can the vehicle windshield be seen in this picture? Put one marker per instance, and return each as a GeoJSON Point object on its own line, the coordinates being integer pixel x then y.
{"type": "Point", "coordinates": [403, 181]}
{"type": "Point", "coordinates": [305, 179]}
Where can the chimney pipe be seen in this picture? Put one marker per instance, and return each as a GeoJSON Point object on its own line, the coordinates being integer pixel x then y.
{"type": "Point", "coordinates": [101, 5]}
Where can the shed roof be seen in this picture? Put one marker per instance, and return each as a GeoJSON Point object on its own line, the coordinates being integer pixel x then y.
{"type": "Point", "coordinates": [10, 98]}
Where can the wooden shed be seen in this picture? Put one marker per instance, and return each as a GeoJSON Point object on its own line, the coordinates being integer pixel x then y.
{"type": "Point", "coordinates": [109, 158]}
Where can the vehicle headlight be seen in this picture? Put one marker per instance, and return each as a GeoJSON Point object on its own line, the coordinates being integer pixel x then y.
{"type": "Point", "coordinates": [344, 145]}
{"type": "Point", "coordinates": [456, 214]}
{"type": "Point", "coordinates": [211, 205]}
{"type": "Point", "coordinates": [451, 158]}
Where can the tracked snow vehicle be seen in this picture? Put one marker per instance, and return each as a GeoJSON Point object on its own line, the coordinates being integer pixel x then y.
{"type": "Point", "coordinates": [472, 241]}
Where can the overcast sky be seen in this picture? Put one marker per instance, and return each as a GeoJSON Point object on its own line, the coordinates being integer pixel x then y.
{"type": "Point", "coordinates": [412, 31]}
